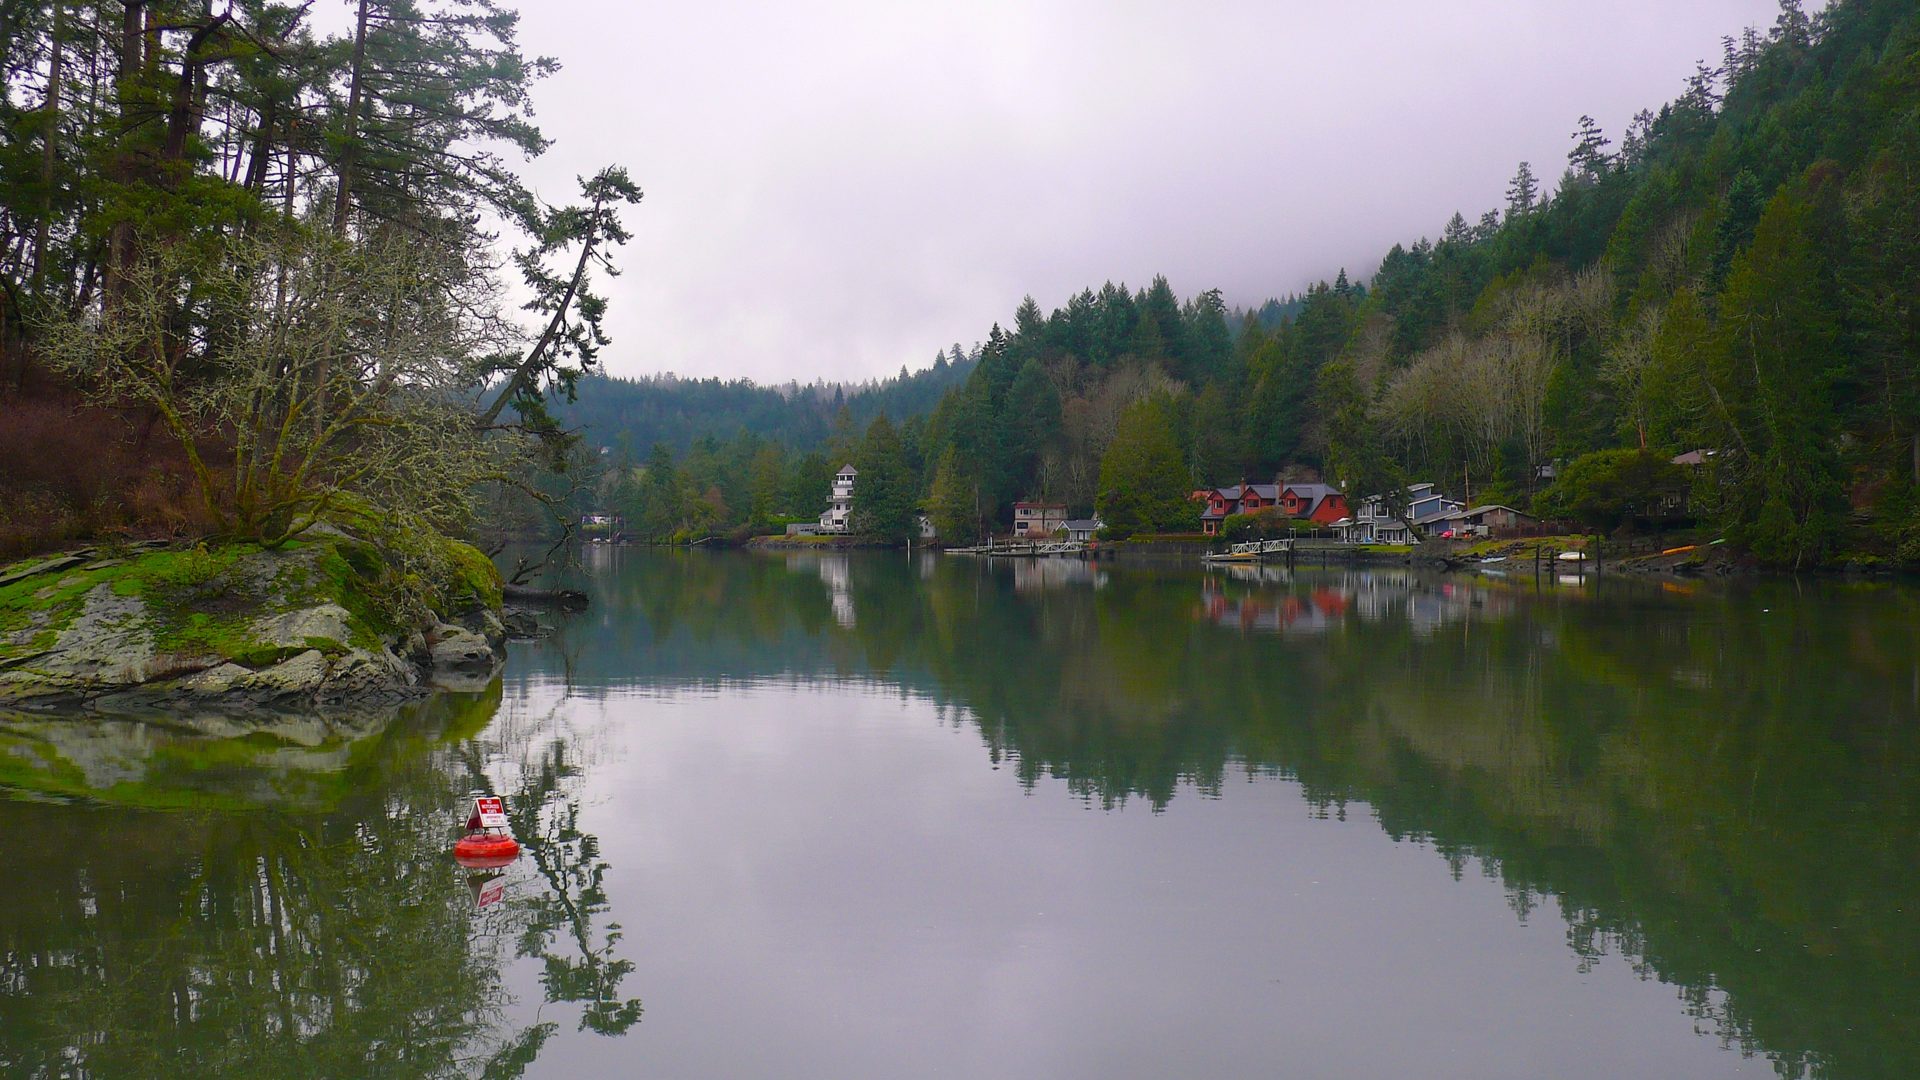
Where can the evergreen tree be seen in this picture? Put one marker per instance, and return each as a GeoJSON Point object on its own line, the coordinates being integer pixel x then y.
{"type": "Point", "coordinates": [1158, 332]}
{"type": "Point", "coordinates": [1144, 481]}
{"type": "Point", "coordinates": [952, 503]}
{"type": "Point", "coordinates": [1522, 192]}
{"type": "Point", "coordinates": [1780, 359]}
{"type": "Point", "coordinates": [662, 509]}
{"type": "Point", "coordinates": [1033, 411]}
{"type": "Point", "coordinates": [809, 484]}
{"type": "Point", "coordinates": [1740, 212]}
{"type": "Point", "coordinates": [1588, 157]}
{"type": "Point", "coordinates": [766, 485]}
{"type": "Point", "coordinates": [885, 493]}
{"type": "Point", "coordinates": [841, 441]}
{"type": "Point", "coordinates": [1208, 343]}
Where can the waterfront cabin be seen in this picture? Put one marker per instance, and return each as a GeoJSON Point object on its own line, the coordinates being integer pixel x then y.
{"type": "Point", "coordinates": [1491, 519]}
{"type": "Point", "coordinates": [1037, 519]}
{"type": "Point", "coordinates": [1084, 529]}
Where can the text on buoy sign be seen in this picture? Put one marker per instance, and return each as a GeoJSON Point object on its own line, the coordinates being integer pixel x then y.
{"type": "Point", "coordinates": [489, 812]}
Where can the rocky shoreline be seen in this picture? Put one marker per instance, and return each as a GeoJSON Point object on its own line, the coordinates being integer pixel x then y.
{"type": "Point", "coordinates": [315, 624]}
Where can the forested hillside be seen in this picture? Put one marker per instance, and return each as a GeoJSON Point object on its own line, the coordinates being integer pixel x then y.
{"type": "Point", "coordinates": [1737, 272]}
{"type": "Point", "coordinates": [674, 411]}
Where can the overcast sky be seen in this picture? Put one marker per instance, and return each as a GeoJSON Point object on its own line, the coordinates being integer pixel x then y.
{"type": "Point", "coordinates": [837, 189]}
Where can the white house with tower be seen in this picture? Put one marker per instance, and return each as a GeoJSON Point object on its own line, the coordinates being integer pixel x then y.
{"type": "Point", "coordinates": [840, 504]}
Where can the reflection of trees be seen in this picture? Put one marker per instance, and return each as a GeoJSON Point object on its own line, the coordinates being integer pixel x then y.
{"type": "Point", "coordinates": [546, 817]}
{"type": "Point", "coordinates": [260, 944]}
{"type": "Point", "coordinates": [282, 941]}
{"type": "Point", "coordinates": [1720, 787]}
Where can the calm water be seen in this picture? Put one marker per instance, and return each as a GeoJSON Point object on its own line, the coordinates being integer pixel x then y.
{"type": "Point", "coordinates": [881, 816]}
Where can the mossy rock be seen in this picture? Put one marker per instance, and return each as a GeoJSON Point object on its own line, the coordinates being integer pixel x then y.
{"type": "Point", "coordinates": [475, 581]}
{"type": "Point", "coordinates": [293, 617]}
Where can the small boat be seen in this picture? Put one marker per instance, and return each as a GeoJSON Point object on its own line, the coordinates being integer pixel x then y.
{"type": "Point", "coordinates": [1493, 559]}
{"type": "Point", "coordinates": [1572, 556]}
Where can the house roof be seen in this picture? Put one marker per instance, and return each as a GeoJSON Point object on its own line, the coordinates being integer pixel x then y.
{"type": "Point", "coordinates": [1083, 525]}
{"type": "Point", "coordinates": [1478, 510]}
{"type": "Point", "coordinates": [845, 469]}
{"type": "Point", "coordinates": [1236, 492]}
{"type": "Point", "coordinates": [1694, 457]}
{"type": "Point", "coordinates": [1314, 494]}
{"type": "Point", "coordinates": [1422, 490]}
{"type": "Point", "coordinates": [1446, 510]}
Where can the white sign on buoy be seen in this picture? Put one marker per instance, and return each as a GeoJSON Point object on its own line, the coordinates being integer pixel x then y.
{"type": "Point", "coordinates": [489, 812]}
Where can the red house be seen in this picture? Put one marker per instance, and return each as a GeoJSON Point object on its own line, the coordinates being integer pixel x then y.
{"type": "Point", "coordinates": [1322, 503]}
{"type": "Point", "coordinates": [1315, 502]}
{"type": "Point", "coordinates": [1238, 499]}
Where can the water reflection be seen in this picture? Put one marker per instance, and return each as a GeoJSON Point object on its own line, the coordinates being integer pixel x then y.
{"type": "Point", "coordinates": [278, 899]}
{"type": "Point", "coordinates": [1720, 786]}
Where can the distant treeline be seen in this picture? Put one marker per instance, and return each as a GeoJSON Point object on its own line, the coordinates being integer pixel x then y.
{"type": "Point", "coordinates": [676, 411]}
{"type": "Point", "coordinates": [1739, 274]}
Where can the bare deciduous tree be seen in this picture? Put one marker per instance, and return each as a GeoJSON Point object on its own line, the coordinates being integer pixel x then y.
{"type": "Point", "coordinates": [336, 382]}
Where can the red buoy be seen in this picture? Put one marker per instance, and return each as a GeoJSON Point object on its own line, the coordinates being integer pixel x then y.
{"type": "Point", "coordinates": [487, 843]}
{"type": "Point", "coordinates": [482, 850]}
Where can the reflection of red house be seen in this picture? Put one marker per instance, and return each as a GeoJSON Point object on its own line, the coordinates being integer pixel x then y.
{"type": "Point", "coordinates": [1329, 602]}
{"type": "Point", "coordinates": [1267, 612]}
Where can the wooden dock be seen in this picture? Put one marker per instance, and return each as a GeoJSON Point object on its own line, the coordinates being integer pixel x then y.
{"type": "Point", "coordinates": [1073, 549]}
{"type": "Point", "coordinates": [1254, 551]}
{"type": "Point", "coordinates": [1033, 549]}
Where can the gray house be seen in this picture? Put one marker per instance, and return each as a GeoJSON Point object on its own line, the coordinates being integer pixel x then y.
{"type": "Point", "coordinates": [1371, 523]}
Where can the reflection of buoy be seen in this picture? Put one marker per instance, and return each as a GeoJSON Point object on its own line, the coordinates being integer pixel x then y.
{"type": "Point", "coordinates": [487, 843]}
{"type": "Point", "coordinates": [488, 889]}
